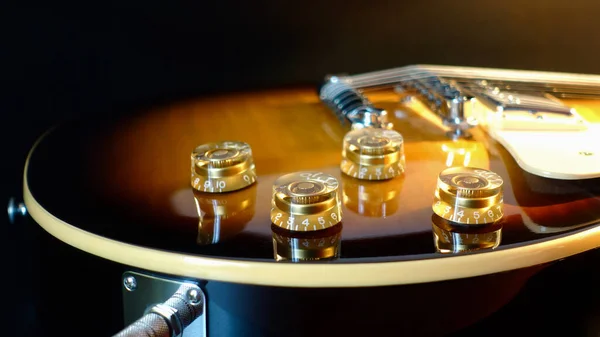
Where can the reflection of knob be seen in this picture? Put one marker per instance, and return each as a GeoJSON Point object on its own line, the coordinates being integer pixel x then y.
{"type": "Point", "coordinates": [449, 237]}
{"type": "Point", "coordinates": [371, 198]}
{"type": "Point", "coordinates": [306, 246]}
{"type": "Point", "coordinates": [373, 154]}
{"type": "Point", "coordinates": [305, 201]}
{"type": "Point", "coordinates": [462, 152]}
{"type": "Point", "coordinates": [223, 215]}
{"type": "Point", "coordinates": [468, 195]}
{"type": "Point", "coordinates": [222, 167]}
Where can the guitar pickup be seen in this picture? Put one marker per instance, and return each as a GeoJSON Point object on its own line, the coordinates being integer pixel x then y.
{"type": "Point", "coordinates": [506, 110]}
{"type": "Point", "coordinates": [522, 110]}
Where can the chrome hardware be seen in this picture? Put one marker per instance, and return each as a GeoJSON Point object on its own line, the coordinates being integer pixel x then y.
{"type": "Point", "coordinates": [15, 210]}
{"type": "Point", "coordinates": [447, 89]}
{"type": "Point", "coordinates": [513, 110]}
{"type": "Point", "coordinates": [194, 296]}
{"type": "Point", "coordinates": [507, 100]}
{"type": "Point", "coordinates": [170, 315]}
{"type": "Point", "coordinates": [168, 307]}
{"type": "Point", "coordinates": [456, 119]}
{"type": "Point", "coordinates": [501, 101]}
{"type": "Point", "coordinates": [130, 283]}
{"type": "Point", "coordinates": [445, 98]}
{"type": "Point", "coordinates": [369, 117]}
{"type": "Point", "coordinates": [351, 106]}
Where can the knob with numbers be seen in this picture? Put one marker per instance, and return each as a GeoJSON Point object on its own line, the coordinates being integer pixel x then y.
{"type": "Point", "coordinates": [469, 196]}
{"type": "Point", "coordinates": [306, 201]}
{"type": "Point", "coordinates": [373, 154]}
{"type": "Point", "coordinates": [222, 167]}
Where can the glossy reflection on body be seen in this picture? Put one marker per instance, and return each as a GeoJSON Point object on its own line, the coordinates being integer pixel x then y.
{"type": "Point", "coordinates": [377, 199]}
{"type": "Point", "coordinates": [322, 245]}
{"type": "Point", "coordinates": [451, 237]}
{"type": "Point", "coordinates": [222, 216]}
{"type": "Point", "coordinates": [138, 208]}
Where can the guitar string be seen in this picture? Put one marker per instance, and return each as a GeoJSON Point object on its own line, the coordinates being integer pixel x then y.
{"type": "Point", "coordinates": [559, 91]}
{"type": "Point", "coordinates": [560, 85]}
{"type": "Point", "coordinates": [396, 74]}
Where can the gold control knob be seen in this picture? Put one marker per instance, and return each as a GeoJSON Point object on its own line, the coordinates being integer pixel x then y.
{"type": "Point", "coordinates": [373, 154]}
{"type": "Point", "coordinates": [222, 167]}
{"type": "Point", "coordinates": [468, 195]}
{"type": "Point", "coordinates": [307, 246]}
{"type": "Point", "coordinates": [451, 238]}
{"type": "Point", "coordinates": [305, 201]}
{"type": "Point", "coordinates": [224, 215]}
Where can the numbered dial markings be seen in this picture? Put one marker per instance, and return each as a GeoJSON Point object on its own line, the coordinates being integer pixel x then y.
{"type": "Point", "coordinates": [305, 201]}
{"type": "Point", "coordinates": [222, 167]}
{"type": "Point", "coordinates": [371, 172]}
{"type": "Point", "coordinates": [373, 154]}
{"type": "Point", "coordinates": [305, 222]}
{"type": "Point", "coordinates": [469, 196]}
{"type": "Point", "coordinates": [468, 216]}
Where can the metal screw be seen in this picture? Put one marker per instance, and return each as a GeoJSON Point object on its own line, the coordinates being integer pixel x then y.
{"type": "Point", "coordinates": [130, 283]}
{"type": "Point", "coordinates": [407, 99]}
{"type": "Point", "coordinates": [194, 296]}
{"type": "Point", "coordinates": [586, 153]}
{"type": "Point", "coordinates": [15, 209]}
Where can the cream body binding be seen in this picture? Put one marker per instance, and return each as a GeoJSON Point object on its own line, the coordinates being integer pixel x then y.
{"type": "Point", "coordinates": [311, 275]}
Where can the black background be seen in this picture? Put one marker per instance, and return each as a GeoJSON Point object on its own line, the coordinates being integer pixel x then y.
{"type": "Point", "coordinates": [62, 60]}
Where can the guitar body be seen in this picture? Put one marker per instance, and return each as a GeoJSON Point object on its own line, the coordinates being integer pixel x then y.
{"type": "Point", "coordinates": [130, 202]}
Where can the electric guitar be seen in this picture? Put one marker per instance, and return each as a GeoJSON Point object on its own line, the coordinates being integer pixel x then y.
{"type": "Point", "coordinates": [136, 204]}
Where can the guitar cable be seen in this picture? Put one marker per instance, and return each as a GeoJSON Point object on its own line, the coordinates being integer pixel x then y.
{"type": "Point", "coordinates": [170, 318]}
